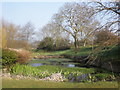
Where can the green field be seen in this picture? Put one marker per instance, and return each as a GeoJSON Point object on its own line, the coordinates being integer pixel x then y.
{"type": "Point", "coordinates": [11, 83]}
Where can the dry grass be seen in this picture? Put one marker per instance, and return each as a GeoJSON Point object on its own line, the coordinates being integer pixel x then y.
{"type": "Point", "coordinates": [23, 56]}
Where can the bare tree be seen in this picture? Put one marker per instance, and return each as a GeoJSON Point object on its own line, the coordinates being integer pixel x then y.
{"type": "Point", "coordinates": [9, 34]}
{"type": "Point", "coordinates": [51, 30]}
{"type": "Point", "coordinates": [14, 36]}
{"type": "Point", "coordinates": [110, 11]}
{"type": "Point", "coordinates": [75, 19]}
{"type": "Point", "coordinates": [54, 31]}
{"type": "Point", "coordinates": [27, 31]}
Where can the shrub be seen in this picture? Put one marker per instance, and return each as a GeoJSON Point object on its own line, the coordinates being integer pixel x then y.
{"type": "Point", "coordinates": [61, 44]}
{"type": "Point", "coordinates": [12, 56]}
{"type": "Point", "coordinates": [51, 44]}
{"type": "Point", "coordinates": [105, 37]}
{"type": "Point", "coordinates": [9, 57]}
{"type": "Point", "coordinates": [46, 44]}
{"type": "Point", "coordinates": [23, 56]}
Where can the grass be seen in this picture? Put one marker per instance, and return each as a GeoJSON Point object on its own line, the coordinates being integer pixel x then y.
{"type": "Point", "coordinates": [82, 51]}
{"type": "Point", "coordinates": [66, 69]}
{"type": "Point", "coordinates": [85, 51]}
{"type": "Point", "coordinates": [112, 54]}
{"type": "Point", "coordinates": [39, 61]}
{"type": "Point", "coordinates": [48, 61]}
{"type": "Point", "coordinates": [12, 83]}
{"type": "Point", "coordinates": [57, 53]}
{"type": "Point", "coordinates": [48, 70]}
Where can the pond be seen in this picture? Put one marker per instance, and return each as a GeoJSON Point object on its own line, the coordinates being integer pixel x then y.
{"type": "Point", "coordinates": [72, 76]}
{"type": "Point", "coordinates": [55, 61]}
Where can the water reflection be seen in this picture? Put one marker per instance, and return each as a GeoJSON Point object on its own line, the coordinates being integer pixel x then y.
{"type": "Point", "coordinates": [70, 65]}
{"type": "Point", "coordinates": [56, 63]}
{"type": "Point", "coordinates": [36, 64]}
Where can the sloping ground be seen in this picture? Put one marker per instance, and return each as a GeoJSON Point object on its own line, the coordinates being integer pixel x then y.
{"type": "Point", "coordinates": [106, 58]}
{"type": "Point", "coordinates": [109, 59]}
{"type": "Point", "coordinates": [81, 52]}
{"type": "Point", "coordinates": [12, 83]}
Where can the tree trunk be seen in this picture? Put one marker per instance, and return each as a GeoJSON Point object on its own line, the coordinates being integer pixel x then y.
{"type": "Point", "coordinates": [75, 44]}
{"type": "Point", "coordinates": [84, 43]}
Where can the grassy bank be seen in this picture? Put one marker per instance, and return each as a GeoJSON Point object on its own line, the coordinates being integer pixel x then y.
{"type": "Point", "coordinates": [105, 54]}
{"type": "Point", "coordinates": [111, 54]}
{"type": "Point", "coordinates": [83, 51]}
{"type": "Point", "coordinates": [42, 52]}
{"type": "Point", "coordinates": [12, 83]}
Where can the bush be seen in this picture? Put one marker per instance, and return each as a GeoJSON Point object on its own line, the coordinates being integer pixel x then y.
{"type": "Point", "coordinates": [61, 44]}
{"type": "Point", "coordinates": [46, 44]}
{"type": "Point", "coordinates": [50, 44]}
{"type": "Point", "coordinates": [23, 56]}
{"type": "Point", "coordinates": [12, 56]}
{"type": "Point", "coordinates": [9, 57]}
{"type": "Point", "coordinates": [105, 37]}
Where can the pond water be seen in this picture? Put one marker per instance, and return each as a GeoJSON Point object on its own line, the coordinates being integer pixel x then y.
{"type": "Point", "coordinates": [67, 63]}
{"type": "Point", "coordinates": [56, 62]}
{"type": "Point", "coordinates": [60, 62]}
{"type": "Point", "coordinates": [36, 64]}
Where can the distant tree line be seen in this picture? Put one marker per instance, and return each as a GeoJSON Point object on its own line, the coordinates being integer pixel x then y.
{"type": "Point", "coordinates": [13, 36]}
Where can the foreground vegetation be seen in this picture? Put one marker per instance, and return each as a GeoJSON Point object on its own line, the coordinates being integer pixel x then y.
{"type": "Point", "coordinates": [47, 70]}
{"type": "Point", "coordinates": [75, 74]}
{"type": "Point", "coordinates": [12, 83]}
{"type": "Point", "coordinates": [87, 77]}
